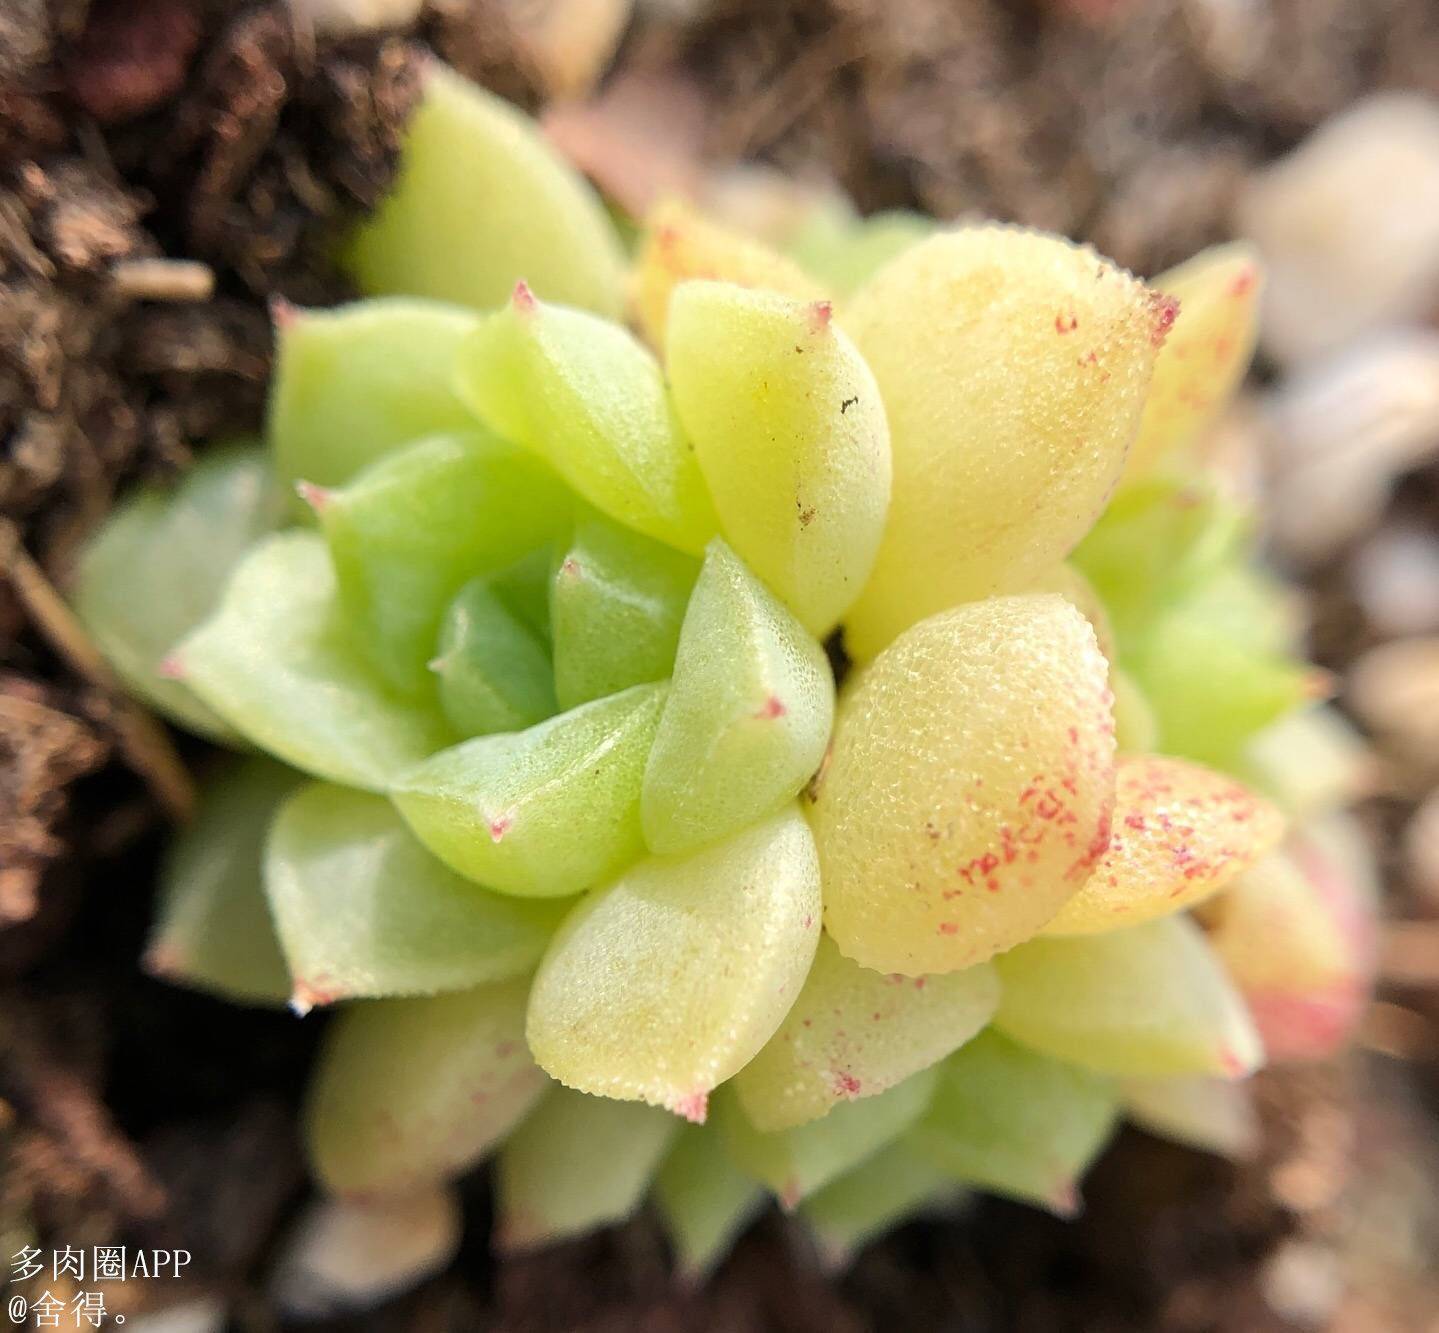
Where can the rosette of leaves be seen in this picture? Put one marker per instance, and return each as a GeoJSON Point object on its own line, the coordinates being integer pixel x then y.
{"type": "Point", "coordinates": [518, 618]}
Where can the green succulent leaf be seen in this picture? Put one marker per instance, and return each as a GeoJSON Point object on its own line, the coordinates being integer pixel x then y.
{"type": "Point", "coordinates": [704, 1200]}
{"type": "Point", "coordinates": [790, 434]}
{"type": "Point", "coordinates": [409, 532]}
{"type": "Point", "coordinates": [364, 911]}
{"type": "Point", "coordinates": [481, 202]}
{"type": "Point", "coordinates": [748, 715]}
{"type": "Point", "coordinates": [213, 930]}
{"type": "Point", "coordinates": [354, 383]}
{"type": "Point", "coordinates": [493, 668]}
{"type": "Point", "coordinates": [795, 1163]}
{"type": "Point", "coordinates": [276, 663]}
{"type": "Point", "coordinates": [586, 396]}
{"type": "Point", "coordinates": [542, 813]}
{"type": "Point", "coordinates": [160, 565]}
{"type": "Point", "coordinates": [854, 1033]}
{"type": "Point", "coordinates": [1149, 1000]}
{"type": "Point", "coordinates": [577, 1163]}
{"type": "Point", "coordinates": [666, 983]}
{"type": "Point", "coordinates": [1015, 1122]}
{"type": "Point", "coordinates": [895, 1184]}
{"type": "Point", "coordinates": [616, 603]}
{"type": "Point", "coordinates": [413, 1091]}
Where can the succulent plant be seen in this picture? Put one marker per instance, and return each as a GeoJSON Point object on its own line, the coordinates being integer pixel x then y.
{"type": "Point", "coordinates": [564, 803]}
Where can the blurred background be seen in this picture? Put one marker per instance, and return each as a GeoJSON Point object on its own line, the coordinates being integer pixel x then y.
{"type": "Point", "coordinates": [240, 137]}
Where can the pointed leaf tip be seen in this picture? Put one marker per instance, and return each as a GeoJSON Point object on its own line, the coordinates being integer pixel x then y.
{"type": "Point", "coordinates": [317, 497]}
{"type": "Point", "coordinates": [694, 1108]}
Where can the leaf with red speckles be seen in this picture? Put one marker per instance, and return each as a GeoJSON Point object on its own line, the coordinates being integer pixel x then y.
{"type": "Point", "coordinates": [1013, 368]}
{"type": "Point", "coordinates": [1148, 1001]}
{"type": "Point", "coordinates": [1180, 833]}
{"type": "Point", "coordinates": [417, 1090]}
{"type": "Point", "coordinates": [1205, 354]}
{"type": "Point", "coordinates": [363, 910]}
{"type": "Point", "coordinates": [541, 813]}
{"type": "Point", "coordinates": [1016, 1123]}
{"type": "Point", "coordinates": [796, 1162]}
{"type": "Point", "coordinates": [855, 1033]}
{"type": "Point", "coordinates": [748, 713]}
{"type": "Point", "coordinates": [679, 244]}
{"type": "Point", "coordinates": [576, 1163]}
{"type": "Point", "coordinates": [969, 787]}
{"type": "Point", "coordinates": [667, 983]}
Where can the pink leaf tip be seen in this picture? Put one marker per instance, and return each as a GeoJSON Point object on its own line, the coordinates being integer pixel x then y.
{"type": "Point", "coordinates": [820, 314]}
{"type": "Point", "coordinates": [317, 497]}
{"type": "Point", "coordinates": [522, 298]}
{"type": "Point", "coordinates": [693, 1108]}
{"type": "Point", "coordinates": [161, 960]}
{"type": "Point", "coordinates": [305, 997]}
{"type": "Point", "coordinates": [171, 667]}
{"type": "Point", "coordinates": [772, 708]}
{"type": "Point", "coordinates": [1064, 1200]}
{"type": "Point", "coordinates": [283, 314]}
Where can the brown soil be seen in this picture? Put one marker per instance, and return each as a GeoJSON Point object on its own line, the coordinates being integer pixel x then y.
{"type": "Point", "coordinates": [135, 130]}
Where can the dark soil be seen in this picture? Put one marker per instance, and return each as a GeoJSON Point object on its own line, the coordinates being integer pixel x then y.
{"type": "Point", "coordinates": [132, 130]}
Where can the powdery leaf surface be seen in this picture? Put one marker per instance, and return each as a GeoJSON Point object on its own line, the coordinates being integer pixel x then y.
{"type": "Point", "coordinates": [854, 1033]}
{"type": "Point", "coordinates": [667, 983]}
{"type": "Point", "coordinates": [969, 787]}
{"type": "Point", "coordinates": [275, 661]}
{"type": "Point", "coordinates": [542, 813]}
{"type": "Point", "coordinates": [790, 433]}
{"type": "Point", "coordinates": [1180, 833]}
{"type": "Point", "coordinates": [748, 716]}
{"type": "Point", "coordinates": [1013, 367]}
{"type": "Point", "coordinates": [678, 244]}
{"type": "Point", "coordinates": [362, 909]}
